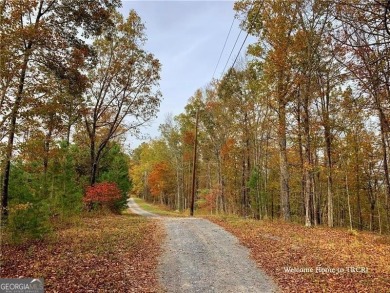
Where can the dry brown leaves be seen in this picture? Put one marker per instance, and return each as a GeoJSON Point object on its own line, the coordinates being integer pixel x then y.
{"type": "Point", "coordinates": [106, 254]}
{"type": "Point", "coordinates": [278, 245]}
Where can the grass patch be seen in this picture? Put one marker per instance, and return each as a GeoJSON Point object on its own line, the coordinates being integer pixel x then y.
{"type": "Point", "coordinates": [160, 209]}
{"type": "Point", "coordinates": [276, 245]}
{"type": "Point", "coordinates": [109, 253]}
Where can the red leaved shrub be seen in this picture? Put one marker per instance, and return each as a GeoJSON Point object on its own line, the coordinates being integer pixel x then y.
{"type": "Point", "coordinates": [104, 192]}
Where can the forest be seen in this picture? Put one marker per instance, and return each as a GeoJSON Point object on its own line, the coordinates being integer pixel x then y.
{"type": "Point", "coordinates": [298, 130]}
{"type": "Point", "coordinates": [75, 79]}
{"type": "Point", "coordinates": [294, 134]}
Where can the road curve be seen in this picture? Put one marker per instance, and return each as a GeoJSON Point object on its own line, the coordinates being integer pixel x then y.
{"type": "Point", "coordinates": [135, 208]}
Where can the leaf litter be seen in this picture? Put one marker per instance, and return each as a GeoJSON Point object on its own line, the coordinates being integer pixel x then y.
{"type": "Point", "coordinates": [341, 261]}
{"type": "Point", "coordinates": [104, 254]}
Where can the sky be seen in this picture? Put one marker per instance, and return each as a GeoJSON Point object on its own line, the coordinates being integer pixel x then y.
{"type": "Point", "coordinates": [187, 37]}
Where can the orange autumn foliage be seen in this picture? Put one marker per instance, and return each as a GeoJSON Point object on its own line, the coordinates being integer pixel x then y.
{"type": "Point", "coordinates": [188, 138]}
{"type": "Point", "coordinates": [160, 179]}
{"type": "Point", "coordinates": [228, 147]}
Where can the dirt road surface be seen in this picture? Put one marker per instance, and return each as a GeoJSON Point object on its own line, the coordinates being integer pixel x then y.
{"type": "Point", "coordinates": [135, 208]}
{"type": "Point", "coordinates": [199, 256]}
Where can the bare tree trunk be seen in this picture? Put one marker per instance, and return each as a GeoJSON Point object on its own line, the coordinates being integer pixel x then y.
{"type": "Point", "coordinates": [14, 114]}
{"type": "Point", "coordinates": [328, 152]}
{"type": "Point", "coordinates": [307, 207]}
{"type": "Point", "coordinates": [266, 175]}
{"type": "Point", "coordinates": [301, 160]}
{"type": "Point", "coordinates": [385, 165]}
{"type": "Point", "coordinates": [220, 192]}
{"type": "Point", "coordinates": [243, 189]}
{"type": "Point", "coordinates": [379, 217]}
{"type": "Point", "coordinates": [248, 173]}
{"type": "Point", "coordinates": [93, 164]}
{"type": "Point", "coordinates": [194, 165]}
{"type": "Point", "coordinates": [329, 188]}
{"type": "Point", "coordinates": [47, 149]}
{"type": "Point", "coordinates": [221, 184]}
{"type": "Point", "coordinates": [357, 176]}
{"type": "Point", "coordinates": [11, 135]}
{"type": "Point", "coordinates": [372, 218]}
{"type": "Point", "coordinates": [177, 185]}
{"type": "Point", "coordinates": [349, 202]}
{"type": "Point", "coordinates": [310, 203]}
{"type": "Point", "coordinates": [284, 173]}
{"type": "Point", "coordinates": [316, 189]}
{"type": "Point", "coordinates": [259, 199]}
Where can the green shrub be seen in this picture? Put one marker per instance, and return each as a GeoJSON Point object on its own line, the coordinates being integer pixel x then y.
{"type": "Point", "coordinates": [115, 168]}
{"type": "Point", "coordinates": [28, 221]}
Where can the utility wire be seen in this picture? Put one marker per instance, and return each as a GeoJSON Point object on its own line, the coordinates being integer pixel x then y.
{"type": "Point", "coordinates": [224, 45]}
{"type": "Point", "coordinates": [231, 52]}
{"type": "Point", "coordinates": [239, 51]}
{"type": "Point", "coordinates": [246, 37]}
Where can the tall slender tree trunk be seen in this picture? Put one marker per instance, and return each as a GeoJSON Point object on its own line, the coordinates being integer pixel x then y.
{"type": "Point", "coordinates": [193, 191]}
{"type": "Point", "coordinates": [348, 201]}
{"type": "Point", "coordinates": [95, 154]}
{"type": "Point", "coordinates": [307, 202]}
{"type": "Point", "coordinates": [11, 135]}
{"type": "Point", "coordinates": [258, 212]}
{"type": "Point", "coordinates": [13, 117]}
{"type": "Point", "coordinates": [310, 204]}
{"type": "Point", "coordinates": [372, 211]}
{"type": "Point", "coordinates": [246, 165]}
{"type": "Point", "coordinates": [357, 178]}
{"type": "Point", "coordinates": [178, 207]}
{"type": "Point", "coordinates": [329, 182]}
{"type": "Point", "coordinates": [266, 174]}
{"type": "Point", "coordinates": [70, 122]}
{"type": "Point", "coordinates": [301, 160]}
{"type": "Point", "coordinates": [284, 173]}
{"type": "Point", "coordinates": [221, 183]}
{"type": "Point", "coordinates": [248, 174]}
{"type": "Point", "coordinates": [379, 217]}
{"type": "Point", "coordinates": [47, 149]}
{"type": "Point", "coordinates": [385, 165]}
{"type": "Point", "coordinates": [328, 152]}
{"type": "Point", "coordinates": [93, 161]}
{"type": "Point", "coordinates": [219, 172]}
{"type": "Point", "coordinates": [243, 189]}
{"type": "Point", "coordinates": [67, 137]}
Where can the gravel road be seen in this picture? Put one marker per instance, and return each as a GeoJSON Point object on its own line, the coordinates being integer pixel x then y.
{"type": "Point", "coordinates": [199, 256]}
{"type": "Point", "coordinates": [134, 207]}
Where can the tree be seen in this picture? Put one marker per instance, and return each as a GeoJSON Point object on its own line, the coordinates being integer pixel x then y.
{"type": "Point", "coordinates": [46, 33]}
{"type": "Point", "coordinates": [122, 95]}
{"type": "Point", "coordinates": [161, 182]}
{"type": "Point", "coordinates": [301, 129]}
{"type": "Point", "coordinates": [363, 49]}
{"type": "Point", "coordinates": [153, 173]}
{"type": "Point", "coordinates": [170, 133]}
{"type": "Point", "coordinates": [231, 92]}
{"type": "Point", "coordinates": [275, 29]}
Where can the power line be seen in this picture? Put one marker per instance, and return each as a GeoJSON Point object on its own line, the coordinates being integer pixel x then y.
{"type": "Point", "coordinates": [231, 52]}
{"type": "Point", "coordinates": [239, 51]}
{"type": "Point", "coordinates": [224, 45]}
{"type": "Point", "coordinates": [246, 37]}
